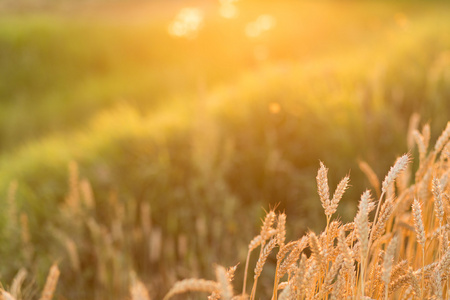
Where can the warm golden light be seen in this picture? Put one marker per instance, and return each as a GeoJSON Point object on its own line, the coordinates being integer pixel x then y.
{"type": "Point", "coordinates": [186, 23]}
{"type": "Point", "coordinates": [274, 107]}
{"type": "Point", "coordinates": [141, 140]}
{"type": "Point", "coordinates": [262, 24]}
{"type": "Point", "coordinates": [261, 52]}
{"type": "Point", "coordinates": [228, 9]}
{"type": "Point", "coordinates": [266, 22]}
{"type": "Point", "coordinates": [402, 20]}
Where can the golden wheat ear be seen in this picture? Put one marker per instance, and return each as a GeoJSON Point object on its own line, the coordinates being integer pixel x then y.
{"type": "Point", "coordinates": [337, 196]}
{"type": "Point", "coordinates": [138, 290]}
{"type": "Point", "coordinates": [400, 165]}
{"type": "Point", "coordinates": [322, 186]}
{"type": "Point", "coordinates": [362, 233]}
{"type": "Point", "coordinates": [443, 138]}
{"type": "Point", "coordinates": [223, 279]}
{"type": "Point", "coordinates": [4, 295]}
{"type": "Point", "coordinates": [50, 284]}
{"type": "Point", "coordinates": [193, 285]}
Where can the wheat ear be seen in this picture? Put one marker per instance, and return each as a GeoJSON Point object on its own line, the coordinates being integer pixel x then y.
{"type": "Point", "coordinates": [50, 284]}
{"type": "Point", "coordinates": [442, 140]}
{"type": "Point", "coordinates": [4, 295]}
{"type": "Point", "coordinates": [322, 186]}
{"type": "Point", "coordinates": [362, 232]}
{"type": "Point", "coordinates": [260, 264]}
{"type": "Point", "coordinates": [192, 285]}
{"type": "Point", "coordinates": [400, 164]}
{"type": "Point", "coordinates": [370, 174]}
{"type": "Point", "coordinates": [438, 204]}
{"type": "Point", "coordinates": [266, 233]}
{"type": "Point", "coordinates": [420, 141]}
{"type": "Point", "coordinates": [17, 282]}
{"type": "Point", "coordinates": [337, 196]}
{"type": "Point", "coordinates": [225, 288]}
{"type": "Point", "coordinates": [388, 263]}
{"type": "Point", "coordinates": [281, 230]}
{"type": "Point", "coordinates": [420, 232]}
{"type": "Point", "coordinates": [286, 293]}
{"type": "Point", "coordinates": [138, 290]}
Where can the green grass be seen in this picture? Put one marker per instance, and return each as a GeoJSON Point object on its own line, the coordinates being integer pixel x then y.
{"type": "Point", "coordinates": [61, 69]}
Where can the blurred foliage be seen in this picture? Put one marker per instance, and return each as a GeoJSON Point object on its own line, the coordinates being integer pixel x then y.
{"type": "Point", "coordinates": [201, 132]}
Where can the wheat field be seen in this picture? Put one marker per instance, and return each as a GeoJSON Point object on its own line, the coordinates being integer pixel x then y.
{"type": "Point", "coordinates": [397, 247]}
{"type": "Point", "coordinates": [135, 153]}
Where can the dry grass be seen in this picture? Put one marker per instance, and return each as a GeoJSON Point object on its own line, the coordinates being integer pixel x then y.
{"type": "Point", "coordinates": [399, 252]}
{"type": "Point", "coordinates": [15, 292]}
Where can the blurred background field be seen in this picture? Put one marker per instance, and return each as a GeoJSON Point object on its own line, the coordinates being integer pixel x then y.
{"type": "Point", "coordinates": [148, 137]}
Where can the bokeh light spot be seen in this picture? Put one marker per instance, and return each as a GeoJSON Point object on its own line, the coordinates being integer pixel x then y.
{"type": "Point", "coordinates": [187, 23]}
{"type": "Point", "coordinates": [228, 9]}
{"type": "Point", "coordinates": [262, 24]}
{"type": "Point", "coordinates": [266, 22]}
{"type": "Point", "coordinates": [274, 107]}
{"type": "Point", "coordinates": [402, 20]}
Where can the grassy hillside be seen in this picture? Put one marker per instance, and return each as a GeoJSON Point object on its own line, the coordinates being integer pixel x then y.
{"type": "Point", "coordinates": [179, 142]}
{"type": "Point", "coordinates": [62, 65]}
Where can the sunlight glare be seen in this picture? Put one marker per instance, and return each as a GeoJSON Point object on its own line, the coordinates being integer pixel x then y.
{"type": "Point", "coordinates": [266, 22]}
{"type": "Point", "coordinates": [262, 24]}
{"type": "Point", "coordinates": [228, 9]}
{"type": "Point", "coordinates": [187, 23]}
